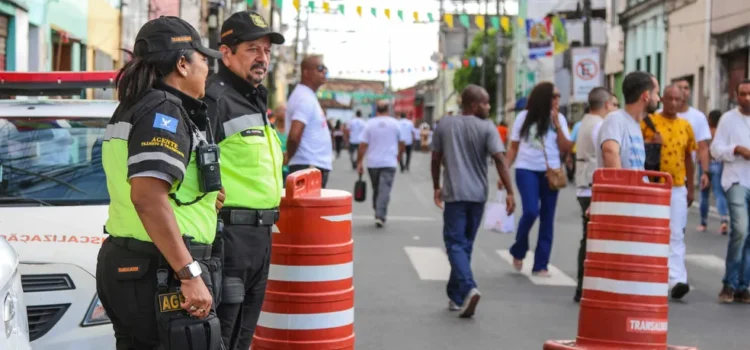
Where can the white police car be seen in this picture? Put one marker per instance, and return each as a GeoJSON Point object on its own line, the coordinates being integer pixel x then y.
{"type": "Point", "coordinates": [14, 331]}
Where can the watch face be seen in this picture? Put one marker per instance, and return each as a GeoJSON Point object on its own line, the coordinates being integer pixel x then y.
{"type": "Point", "coordinates": [195, 269]}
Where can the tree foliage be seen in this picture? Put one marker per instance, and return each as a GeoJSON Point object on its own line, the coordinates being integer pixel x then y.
{"type": "Point", "coordinates": [473, 75]}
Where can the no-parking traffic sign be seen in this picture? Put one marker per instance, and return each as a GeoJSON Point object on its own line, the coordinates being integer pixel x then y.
{"type": "Point", "coordinates": [586, 72]}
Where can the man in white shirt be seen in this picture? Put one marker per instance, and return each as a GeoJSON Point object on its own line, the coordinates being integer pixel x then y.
{"type": "Point", "coordinates": [702, 132]}
{"type": "Point", "coordinates": [731, 145]}
{"type": "Point", "coordinates": [309, 139]}
{"type": "Point", "coordinates": [406, 127]}
{"type": "Point", "coordinates": [354, 133]}
{"type": "Point", "coordinates": [381, 147]}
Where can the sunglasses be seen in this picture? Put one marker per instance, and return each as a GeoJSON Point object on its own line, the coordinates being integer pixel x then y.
{"type": "Point", "coordinates": [556, 96]}
{"type": "Point", "coordinates": [322, 68]}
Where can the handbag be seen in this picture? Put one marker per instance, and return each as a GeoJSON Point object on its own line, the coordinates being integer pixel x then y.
{"type": "Point", "coordinates": [653, 150]}
{"type": "Point", "coordinates": [360, 190]}
{"type": "Point", "coordinates": [556, 178]}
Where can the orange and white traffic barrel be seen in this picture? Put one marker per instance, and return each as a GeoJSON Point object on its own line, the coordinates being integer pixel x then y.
{"type": "Point", "coordinates": [625, 285]}
{"type": "Point", "coordinates": [309, 302]}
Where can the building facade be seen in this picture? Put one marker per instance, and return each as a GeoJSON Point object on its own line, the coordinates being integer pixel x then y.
{"type": "Point", "coordinates": [614, 59]}
{"type": "Point", "coordinates": [643, 23]}
{"type": "Point", "coordinates": [688, 38]}
{"type": "Point", "coordinates": [728, 51]}
{"type": "Point", "coordinates": [14, 26]}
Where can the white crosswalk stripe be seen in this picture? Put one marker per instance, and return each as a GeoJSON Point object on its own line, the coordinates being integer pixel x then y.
{"type": "Point", "coordinates": [431, 263]}
{"type": "Point", "coordinates": [556, 277]}
{"type": "Point", "coordinates": [709, 262]}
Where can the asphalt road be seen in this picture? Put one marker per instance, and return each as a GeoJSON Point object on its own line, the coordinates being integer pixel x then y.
{"type": "Point", "coordinates": [401, 271]}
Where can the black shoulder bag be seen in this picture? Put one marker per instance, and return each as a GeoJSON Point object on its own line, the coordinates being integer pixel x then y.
{"type": "Point", "coordinates": [653, 150]}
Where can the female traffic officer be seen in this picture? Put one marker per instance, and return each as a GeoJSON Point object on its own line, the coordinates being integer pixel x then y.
{"type": "Point", "coordinates": [155, 274]}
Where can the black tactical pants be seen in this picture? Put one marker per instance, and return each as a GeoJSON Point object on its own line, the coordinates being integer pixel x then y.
{"type": "Point", "coordinates": [126, 284]}
{"type": "Point", "coordinates": [247, 257]}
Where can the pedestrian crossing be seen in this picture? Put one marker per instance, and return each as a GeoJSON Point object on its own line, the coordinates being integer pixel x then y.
{"type": "Point", "coordinates": [431, 264]}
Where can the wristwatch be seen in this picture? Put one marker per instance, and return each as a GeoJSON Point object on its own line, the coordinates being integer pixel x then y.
{"type": "Point", "coordinates": [190, 271]}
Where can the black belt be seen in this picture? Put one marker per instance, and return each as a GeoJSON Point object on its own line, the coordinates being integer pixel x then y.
{"type": "Point", "coordinates": [252, 217]}
{"type": "Point", "coordinates": [197, 251]}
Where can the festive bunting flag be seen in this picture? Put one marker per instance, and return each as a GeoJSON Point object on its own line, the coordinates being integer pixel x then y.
{"type": "Point", "coordinates": [374, 12]}
{"type": "Point", "coordinates": [311, 5]}
{"type": "Point", "coordinates": [326, 6]}
{"type": "Point", "coordinates": [279, 3]}
{"type": "Point", "coordinates": [495, 22]}
{"type": "Point", "coordinates": [448, 20]}
{"type": "Point", "coordinates": [479, 61]}
{"type": "Point", "coordinates": [388, 13]}
{"type": "Point", "coordinates": [359, 10]}
{"type": "Point", "coordinates": [479, 20]}
{"type": "Point", "coordinates": [416, 16]}
{"type": "Point", "coordinates": [296, 4]}
{"type": "Point", "coordinates": [341, 9]}
{"type": "Point", "coordinates": [249, 3]}
{"type": "Point", "coordinates": [264, 3]}
{"type": "Point", "coordinates": [429, 17]}
{"type": "Point", "coordinates": [505, 23]}
{"type": "Point", "coordinates": [464, 19]}
{"type": "Point", "coordinates": [400, 14]}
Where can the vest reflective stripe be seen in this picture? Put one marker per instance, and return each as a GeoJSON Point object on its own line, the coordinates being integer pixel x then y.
{"type": "Point", "coordinates": [119, 130]}
{"type": "Point", "coordinates": [145, 156]}
{"type": "Point", "coordinates": [242, 123]}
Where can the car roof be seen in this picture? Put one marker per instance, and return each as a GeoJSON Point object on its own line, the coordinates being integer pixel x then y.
{"type": "Point", "coordinates": [58, 108]}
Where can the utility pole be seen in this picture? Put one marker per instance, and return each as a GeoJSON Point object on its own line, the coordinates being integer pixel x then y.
{"type": "Point", "coordinates": [273, 63]}
{"type": "Point", "coordinates": [296, 46]}
{"type": "Point", "coordinates": [499, 67]}
{"type": "Point", "coordinates": [485, 40]}
{"type": "Point", "coordinates": [586, 23]}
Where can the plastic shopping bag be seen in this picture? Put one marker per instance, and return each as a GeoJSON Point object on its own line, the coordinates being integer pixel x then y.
{"type": "Point", "coordinates": [495, 217]}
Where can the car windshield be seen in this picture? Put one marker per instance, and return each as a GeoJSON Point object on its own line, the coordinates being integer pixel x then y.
{"type": "Point", "coordinates": [52, 161]}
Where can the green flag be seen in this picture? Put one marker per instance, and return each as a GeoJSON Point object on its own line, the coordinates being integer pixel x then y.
{"type": "Point", "coordinates": [400, 14]}
{"type": "Point", "coordinates": [341, 9]}
{"type": "Point", "coordinates": [464, 19]}
{"type": "Point", "coordinates": [374, 11]}
{"type": "Point", "coordinates": [278, 3]}
{"type": "Point", "coordinates": [249, 3]}
{"type": "Point", "coordinates": [495, 22]}
{"type": "Point", "coordinates": [429, 16]}
{"type": "Point", "coordinates": [311, 4]}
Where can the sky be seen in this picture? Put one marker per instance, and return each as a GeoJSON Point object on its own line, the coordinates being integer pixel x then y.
{"type": "Point", "coordinates": [352, 43]}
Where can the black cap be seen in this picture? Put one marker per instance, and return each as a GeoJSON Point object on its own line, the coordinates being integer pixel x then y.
{"type": "Point", "coordinates": [247, 26]}
{"type": "Point", "coordinates": [169, 33]}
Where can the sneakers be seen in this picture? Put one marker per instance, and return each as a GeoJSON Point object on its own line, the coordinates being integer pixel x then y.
{"type": "Point", "coordinates": [727, 294]}
{"type": "Point", "coordinates": [379, 222]}
{"type": "Point", "coordinates": [742, 297]}
{"type": "Point", "coordinates": [470, 304]}
{"type": "Point", "coordinates": [453, 306]}
{"type": "Point", "coordinates": [680, 290]}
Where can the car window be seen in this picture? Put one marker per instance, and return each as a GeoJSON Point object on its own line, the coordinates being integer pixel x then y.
{"type": "Point", "coordinates": [52, 160]}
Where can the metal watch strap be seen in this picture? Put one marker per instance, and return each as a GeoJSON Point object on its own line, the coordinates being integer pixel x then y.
{"type": "Point", "coordinates": [185, 273]}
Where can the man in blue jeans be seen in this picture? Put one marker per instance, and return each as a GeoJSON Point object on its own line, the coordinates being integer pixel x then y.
{"type": "Point", "coordinates": [462, 143]}
{"type": "Point", "coordinates": [731, 145]}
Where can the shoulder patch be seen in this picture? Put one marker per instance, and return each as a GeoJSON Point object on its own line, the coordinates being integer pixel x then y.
{"type": "Point", "coordinates": [253, 132]}
{"type": "Point", "coordinates": [165, 122]}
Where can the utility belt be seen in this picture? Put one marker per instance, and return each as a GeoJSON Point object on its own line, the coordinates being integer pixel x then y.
{"type": "Point", "coordinates": [178, 330]}
{"type": "Point", "coordinates": [252, 217]}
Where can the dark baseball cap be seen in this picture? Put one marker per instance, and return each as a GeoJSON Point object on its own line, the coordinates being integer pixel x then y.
{"type": "Point", "coordinates": [169, 33]}
{"type": "Point", "coordinates": [247, 26]}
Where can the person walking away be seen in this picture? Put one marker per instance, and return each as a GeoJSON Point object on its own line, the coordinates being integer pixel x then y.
{"type": "Point", "coordinates": [279, 123]}
{"type": "Point", "coordinates": [539, 136]}
{"type": "Point", "coordinates": [619, 136]}
{"type": "Point", "coordinates": [731, 145]}
{"type": "Point", "coordinates": [309, 142]}
{"type": "Point", "coordinates": [158, 271]}
{"type": "Point", "coordinates": [338, 137]}
{"type": "Point", "coordinates": [702, 134]}
{"type": "Point", "coordinates": [251, 167]}
{"type": "Point", "coordinates": [600, 104]}
{"type": "Point", "coordinates": [677, 145]}
{"type": "Point", "coordinates": [502, 129]}
{"type": "Point", "coordinates": [354, 131]}
{"type": "Point", "coordinates": [715, 169]}
{"type": "Point", "coordinates": [381, 147]}
{"type": "Point", "coordinates": [462, 144]}
{"type": "Point", "coordinates": [406, 125]}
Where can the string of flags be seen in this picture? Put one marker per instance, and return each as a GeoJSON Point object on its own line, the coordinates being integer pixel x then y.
{"type": "Point", "coordinates": [469, 21]}
{"type": "Point", "coordinates": [466, 62]}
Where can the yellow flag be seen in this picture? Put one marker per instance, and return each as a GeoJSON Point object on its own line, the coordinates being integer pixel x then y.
{"type": "Point", "coordinates": [359, 11]}
{"type": "Point", "coordinates": [505, 23]}
{"type": "Point", "coordinates": [521, 23]}
{"type": "Point", "coordinates": [388, 13]}
{"type": "Point", "coordinates": [416, 16]}
{"type": "Point", "coordinates": [296, 4]}
{"type": "Point", "coordinates": [448, 20]}
{"type": "Point", "coordinates": [264, 3]}
{"type": "Point", "coordinates": [326, 6]}
{"type": "Point", "coordinates": [479, 20]}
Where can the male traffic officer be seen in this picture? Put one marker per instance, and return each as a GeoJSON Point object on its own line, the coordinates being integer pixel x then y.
{"type": "Point", "coordinates": [251, 162]}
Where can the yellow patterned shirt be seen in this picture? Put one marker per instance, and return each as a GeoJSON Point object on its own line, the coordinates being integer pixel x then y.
{"type": "Point", "coordinates": [678, 139]}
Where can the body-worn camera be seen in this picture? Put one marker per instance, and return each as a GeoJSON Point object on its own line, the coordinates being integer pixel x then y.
{"type": "Point", "coordinates": [209, 172]}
